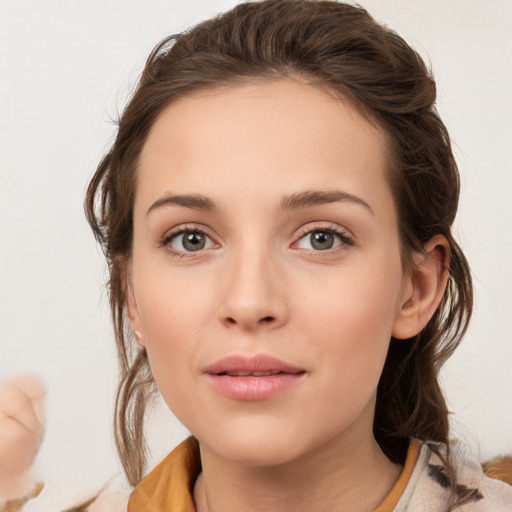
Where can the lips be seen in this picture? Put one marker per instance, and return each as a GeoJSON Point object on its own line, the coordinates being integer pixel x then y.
{"type": "Point", "coordinates": [244, 365]}
{"type": "Point", "coordinates": [252, 378]}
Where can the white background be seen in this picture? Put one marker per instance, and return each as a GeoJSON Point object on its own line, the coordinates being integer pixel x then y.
{"type": "Point", "coordinates": [66, 68]}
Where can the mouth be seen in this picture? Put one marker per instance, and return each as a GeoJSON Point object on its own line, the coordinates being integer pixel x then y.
{"type": "Point", "coordinates": [254, 374]}
{"type": "Point", "coordinates": [261, 365]}
{"type": "Point", "coordinates": [252, 378]}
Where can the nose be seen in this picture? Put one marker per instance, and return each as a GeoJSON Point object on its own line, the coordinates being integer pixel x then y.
{"type": "Point", "coordinates": [253, 293]}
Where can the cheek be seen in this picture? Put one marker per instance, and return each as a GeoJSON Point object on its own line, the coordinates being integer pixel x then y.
{"type": "Point", "coordinates": [173, 315]}
{"type": "Point", "coordinates": [349, 319]}
{"type": "Point", "coordinates": [362, 298]}
{"type": "Point", "coordinates": [172, 304]}
{"type": "Point", "coordinates": [178, 308]}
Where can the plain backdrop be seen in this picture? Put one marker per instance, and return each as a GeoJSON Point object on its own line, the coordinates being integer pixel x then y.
{"type": "Point", "coordinates": [66, 69]}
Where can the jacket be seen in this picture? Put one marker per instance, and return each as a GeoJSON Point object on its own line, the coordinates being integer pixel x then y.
{"type": "Point", "coordinates": [423, 485]}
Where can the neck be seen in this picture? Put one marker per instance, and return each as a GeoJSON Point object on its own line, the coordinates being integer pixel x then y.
{"type": "Point", "coordinates": [342, 475]}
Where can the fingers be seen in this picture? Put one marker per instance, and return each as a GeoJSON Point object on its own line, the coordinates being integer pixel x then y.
{"type": "Point", "coordinates": [31, 384]}
{"type": "Point", "coordinates": [34, 388]}
{"type": "Point", "coordinates": [21, 426]}
{"type": "Point", "coordinates": [22, 400]}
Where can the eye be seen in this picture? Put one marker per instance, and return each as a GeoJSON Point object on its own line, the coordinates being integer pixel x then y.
{"type": "Point", "coordinates": [323, 239]}
{"type": "Point", "coordinates": [189, 241]}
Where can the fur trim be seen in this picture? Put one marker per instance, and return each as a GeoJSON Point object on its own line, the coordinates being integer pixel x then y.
{"type": "Point", "coordinates": [499, 468]}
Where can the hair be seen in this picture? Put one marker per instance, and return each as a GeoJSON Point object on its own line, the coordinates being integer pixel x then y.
{"type": "Point", "coordinates": [341, 48]}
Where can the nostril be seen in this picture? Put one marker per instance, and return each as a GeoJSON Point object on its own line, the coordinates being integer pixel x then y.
{"type": "Point", "coordinates": [233, 321]}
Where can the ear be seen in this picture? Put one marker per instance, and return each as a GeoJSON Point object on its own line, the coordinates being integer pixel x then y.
{"type": "Point", "coordinates": [426, 285]}
{"type": "Point", "coordinates": [132, 309]}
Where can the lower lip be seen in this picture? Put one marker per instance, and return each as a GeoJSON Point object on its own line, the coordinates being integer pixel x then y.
{"type": "Point", "coordinates": [253, 388]}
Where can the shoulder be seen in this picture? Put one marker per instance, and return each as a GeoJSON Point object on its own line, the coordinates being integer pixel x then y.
{"type": "Point", "coordinates": [429, 486]}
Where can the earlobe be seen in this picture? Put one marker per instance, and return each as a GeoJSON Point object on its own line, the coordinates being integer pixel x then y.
{"type": "Point", "coordinates": [138, 338]}
{"type": "Point", "coordinates": [428, 281]}
{"type": "Point", "coordinates": [133, 311]}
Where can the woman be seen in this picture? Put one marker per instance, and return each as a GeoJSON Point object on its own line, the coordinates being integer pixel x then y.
{"type": "Point", "coordinates": [276, 211]}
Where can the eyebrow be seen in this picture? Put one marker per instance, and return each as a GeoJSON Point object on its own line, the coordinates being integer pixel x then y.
{"type": "Point", "coordinates": [192, 201]}
{"type": "Point", "coordinates": [308, 198]}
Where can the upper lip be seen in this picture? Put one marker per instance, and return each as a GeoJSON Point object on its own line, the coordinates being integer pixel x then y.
{"type": "Point", "coordinates": [261, 363]}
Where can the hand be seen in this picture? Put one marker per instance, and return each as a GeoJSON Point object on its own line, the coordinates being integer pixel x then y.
{"type": "Point", "coordinates": [21, 431]}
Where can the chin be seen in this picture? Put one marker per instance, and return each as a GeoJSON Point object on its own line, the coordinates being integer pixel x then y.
{"type": "Point", "coordinates": [256, 445]}
{"type": "Point", "coordinates": [258, 452]}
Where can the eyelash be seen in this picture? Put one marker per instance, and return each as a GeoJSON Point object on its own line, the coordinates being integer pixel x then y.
{"type": "Point", "coordinates": [342, 235]}
{"type": "Point", "coordinates": [166, 240]}
{"type": "Point", "coordinates": [346, 240]}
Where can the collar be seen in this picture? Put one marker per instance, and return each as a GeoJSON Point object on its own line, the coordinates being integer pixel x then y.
{"type": "Point", "coordinates": [170, 486]}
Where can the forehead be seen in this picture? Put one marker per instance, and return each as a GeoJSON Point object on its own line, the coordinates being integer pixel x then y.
{"type": "Point", "coordinates": [231, 141]}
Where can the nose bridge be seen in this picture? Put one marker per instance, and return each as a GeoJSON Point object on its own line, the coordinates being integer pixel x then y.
{"type": "Point", "coordinates": [253, 289]}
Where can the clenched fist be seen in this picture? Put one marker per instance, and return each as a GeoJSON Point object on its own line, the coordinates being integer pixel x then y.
{"type": "Point", "coordinates": [21, 431]}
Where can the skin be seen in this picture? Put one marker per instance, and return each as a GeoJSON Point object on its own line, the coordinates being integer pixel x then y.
{"type": "Point", "coordinates": [259, 286]}
{"type": "Point", "coordinates": [21, 433]}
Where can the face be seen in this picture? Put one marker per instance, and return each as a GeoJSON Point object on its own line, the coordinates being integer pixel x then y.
{"type": "Point", "coordinates": [266, 273]}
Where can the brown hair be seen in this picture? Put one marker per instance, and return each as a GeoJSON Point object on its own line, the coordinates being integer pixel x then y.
{"type": "Point", "coordinates": [340, 47]}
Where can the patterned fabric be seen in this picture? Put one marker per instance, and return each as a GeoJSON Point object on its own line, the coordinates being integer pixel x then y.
{"type": "Point", "coordinates": [422, 487]}
{"type": "Point", "coordinates": [428, 489]}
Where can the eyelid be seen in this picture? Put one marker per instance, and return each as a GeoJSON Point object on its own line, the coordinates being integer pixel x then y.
{"type": "Point", "coordinates": [170, 235]}
{"type": "Point", "coordinates": [346, 237]}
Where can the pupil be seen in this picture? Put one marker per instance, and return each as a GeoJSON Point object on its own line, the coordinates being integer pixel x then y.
{"type": "Point", "coordinates": [322, 240]}
{"type": "Point", "coordinates": [193, 241]}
